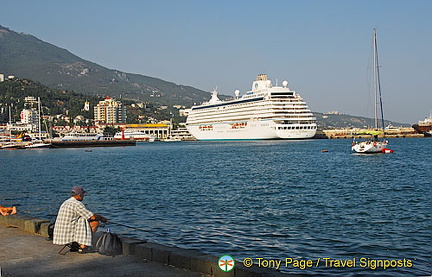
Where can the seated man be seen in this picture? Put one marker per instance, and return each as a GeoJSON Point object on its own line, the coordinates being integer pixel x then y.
{"type": "Point", "coordinates": [75, 224]}
{"type": "Point", "coordinates": [4, 211]}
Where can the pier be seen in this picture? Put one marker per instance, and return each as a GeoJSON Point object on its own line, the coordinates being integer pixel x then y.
{"type": "Point", "coordinates": [27, 252]}
{"type": "Point", "coordinates": [89, 143]}
{"type": "Point", "coordinates": [359, 133]}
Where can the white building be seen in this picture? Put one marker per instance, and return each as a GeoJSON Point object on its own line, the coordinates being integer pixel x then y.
{"type": "Point", "coordinates": [110, 111]}
{"type": "Point", "coordinates": [86, 106]}
{"type": "Point", "coordinates": [29, 116]}
{"type": "Point", "coordinates": [184, 112]}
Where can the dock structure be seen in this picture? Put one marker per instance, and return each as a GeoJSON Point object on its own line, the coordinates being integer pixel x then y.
{"type": "Point", "coordinates": [90, 143]}
{"type": "Point", "coordinates": [359, 133]}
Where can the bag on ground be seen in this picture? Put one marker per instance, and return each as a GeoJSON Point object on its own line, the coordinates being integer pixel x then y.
{"type": "Point", "coordinates": [107, 243]}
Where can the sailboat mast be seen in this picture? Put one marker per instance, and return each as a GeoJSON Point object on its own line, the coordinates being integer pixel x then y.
{"type": "Point", "coordinates": [379, 112]}
{"type": "Point", "coordinates": [39, 110]}
{"type": "Point", "coordinates": [375, 79]}
{"type": "Point", "coordinates": [10, 123]}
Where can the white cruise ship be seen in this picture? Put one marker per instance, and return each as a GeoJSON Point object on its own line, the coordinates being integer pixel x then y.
{"type": "Point", "coordinates": [265, 112]}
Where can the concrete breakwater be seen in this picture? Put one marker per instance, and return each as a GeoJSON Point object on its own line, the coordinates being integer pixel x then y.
{"type": "Point", "coordinates": [190, 260]}
{"type": "Point", "coordinates": [90, 143]}
{"type": "Point", "coordinates": [351, 134]}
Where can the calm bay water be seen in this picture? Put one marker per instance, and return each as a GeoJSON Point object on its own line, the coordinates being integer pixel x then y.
{"type": "Point", "coordinates": [260, 199]}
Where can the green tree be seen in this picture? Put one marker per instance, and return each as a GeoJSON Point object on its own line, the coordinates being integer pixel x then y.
{"type": "Point", "coordinates": [111, 131]}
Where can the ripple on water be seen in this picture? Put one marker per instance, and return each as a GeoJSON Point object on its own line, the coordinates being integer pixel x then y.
{"type": "Point", "coordinates": [272, 199]}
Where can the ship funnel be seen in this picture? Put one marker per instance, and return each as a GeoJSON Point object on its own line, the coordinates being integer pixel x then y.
{"type": "Point", "coordinates": [261, 83]}
{"type": "Point", "coordinates": [262, 77]}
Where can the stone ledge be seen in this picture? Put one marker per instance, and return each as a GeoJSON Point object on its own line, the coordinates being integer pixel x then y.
{"type": "Point", "coordinates": [28, 223]}
{"type": "Point", "coordinates": [198, 262]}
{"type": "Point", "coordinates": [129, 245]}
{"type": "Point", "coordinates": [43, 230]}
{"type": "Point", "coordinates": [181, 258]}
{"type": "Point", "coordinates": [205, 263]}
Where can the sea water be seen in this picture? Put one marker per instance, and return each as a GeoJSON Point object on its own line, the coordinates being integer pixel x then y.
{"type": "Point", "coordinates": [314, 212]}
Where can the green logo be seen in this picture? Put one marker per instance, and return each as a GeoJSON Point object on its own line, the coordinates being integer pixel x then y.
{"type": "Point", "coordinates": [226, 263]}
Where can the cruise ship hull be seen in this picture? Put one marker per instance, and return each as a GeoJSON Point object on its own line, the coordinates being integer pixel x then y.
{"type": "Point", "coordinates": [265, 112]}
{"type": "Point", "coordinates": [249, 130]}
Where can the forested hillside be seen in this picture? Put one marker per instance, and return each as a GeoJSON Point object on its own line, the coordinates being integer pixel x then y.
{"type": "Point", "coordinates": [26, 56]}
{"type": "Point", "coordinates": [64, 102]}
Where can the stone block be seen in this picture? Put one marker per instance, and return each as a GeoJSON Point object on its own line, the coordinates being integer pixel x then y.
{"type": "Point", "coordinates": [181, 258]}
{"type": "Point", "coordinates": [43, 229]}
{"type": "Point", "coordinates": [17, 220]}
{"type": "Point", "coordinates": [162, 253]}
{"type": "Point", "coordinates": [33, 225]}
{"type": "Point", "coordinates": [205, 263]}
{"type": "Point", "coordinates": [144, 251]}
{"type": "Point", "coordinates": [129, 245]}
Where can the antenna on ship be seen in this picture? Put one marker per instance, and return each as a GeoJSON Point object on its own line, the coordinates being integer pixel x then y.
{"type": "Point", "coordinates": [237, 93]}
{"type": "Point", "coordinates": [214, 97]}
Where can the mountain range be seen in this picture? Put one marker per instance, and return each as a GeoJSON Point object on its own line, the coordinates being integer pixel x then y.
{"type": "Point", "coordinates": [26, 56]}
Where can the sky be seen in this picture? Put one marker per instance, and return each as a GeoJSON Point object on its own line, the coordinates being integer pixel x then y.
{"type": "Point", "coordinates": [322, 48]}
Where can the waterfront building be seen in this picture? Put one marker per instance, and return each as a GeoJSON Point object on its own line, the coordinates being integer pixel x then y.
{"type": "Point", "coordinates": [157, 130]}
{"type": "Point", "coordinates": [29, 116]}
{"type": "Point", "coordinates": [184, 112]}
{"type": "Point", "coordinates": [61, 130]}
{"type": "Point", "coordinates": [110, 111]}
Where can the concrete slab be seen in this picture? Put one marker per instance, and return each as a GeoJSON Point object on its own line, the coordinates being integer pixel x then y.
{"type": "Point", "coordinates": [25, 254]}
{"type": "Point", "coordinates": [25, 251]}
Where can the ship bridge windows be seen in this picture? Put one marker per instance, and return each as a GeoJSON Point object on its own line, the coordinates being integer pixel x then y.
{"type": "Point", "coordinates": [282, 94]}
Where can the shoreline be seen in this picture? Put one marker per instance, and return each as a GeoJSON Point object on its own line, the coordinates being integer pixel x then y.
{"type": "Point", "coordinates": [191, 261]}
{"type": "Point", "coordinates": [335, 135]}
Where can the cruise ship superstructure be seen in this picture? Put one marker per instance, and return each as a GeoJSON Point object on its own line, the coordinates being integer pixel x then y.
{"type": "Point", "coordinates": [265, 112]}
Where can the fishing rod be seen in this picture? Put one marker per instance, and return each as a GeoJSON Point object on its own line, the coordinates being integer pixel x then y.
{"type": "Point", "coordinates": [127, 226]}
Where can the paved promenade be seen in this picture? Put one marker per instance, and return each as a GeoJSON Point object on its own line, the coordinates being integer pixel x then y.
{"type": "Point", "coordinates": [25, 251]}
{"type": "Point", "coordinates": [26, 254]}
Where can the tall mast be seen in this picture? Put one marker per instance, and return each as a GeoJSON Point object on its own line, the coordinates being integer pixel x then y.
{"type": "Point", "coordinates": [10, 115]}
{"type": "Point", "coordinates": [10, 123]}
{"type": "Point", "coordinates": [39, 110]}
{"type": "Point", "coordinates": [377, 87]}
{"type": "Point", "coordinates": [375, 79]}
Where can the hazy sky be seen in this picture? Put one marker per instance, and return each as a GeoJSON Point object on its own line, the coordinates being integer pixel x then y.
{"type": "Point", "coordinates": [323, 48]}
